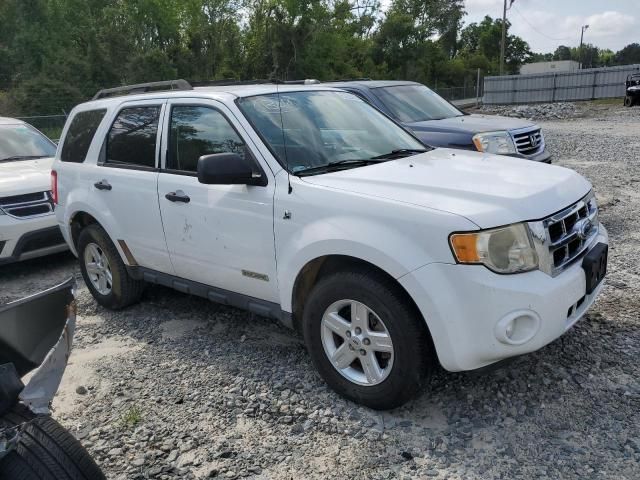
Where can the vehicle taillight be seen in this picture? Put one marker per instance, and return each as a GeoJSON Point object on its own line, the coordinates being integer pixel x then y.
{"type": "Point", "coordinates": [54, 186]}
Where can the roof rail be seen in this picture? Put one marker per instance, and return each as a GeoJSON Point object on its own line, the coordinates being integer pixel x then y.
{"type": "Point", "coordinates": [230, 82]}
{"type": "Point", "coordinates": [363, 79]}
{"type": "Point", "coordinates": [179, 84]}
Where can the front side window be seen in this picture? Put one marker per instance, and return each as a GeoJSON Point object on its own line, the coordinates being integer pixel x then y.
{"type": "Point", "coordinates": [415, 103]}
{"type": "Point", "coordinates": [315, 129]}
{"type": "Point", "coordinates": [80, 135]}
{"type": "Point", "coordinates": [23, 142]}
{"type": "Point", "coordinates": [196, 131]}
{"type": "Point", "coordinates": [132, 137]}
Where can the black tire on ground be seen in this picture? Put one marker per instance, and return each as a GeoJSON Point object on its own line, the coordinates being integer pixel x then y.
{"type": "Point", "coordinates": [46, 451]}
{"type": "Point", "coordinates": [414, 360]}
{"type": "Point", "coordinates": [125, 290]}
{"type": "Point", "coordinates": [628, 101]}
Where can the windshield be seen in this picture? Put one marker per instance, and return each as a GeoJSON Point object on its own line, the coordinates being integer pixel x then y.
{"type": "Point", "coordinates": [325, 128]}
{"type": "Point", "coordinates": [415, 103]}
{"type": "Point", "coordinates": [23, 142]}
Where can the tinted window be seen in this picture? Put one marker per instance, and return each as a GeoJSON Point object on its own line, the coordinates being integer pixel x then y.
{"type": "Point", "coordinates": [80, 134]}
{"type": "Point", "coordinates": [415, 103]}
{"type": "Point", "coordinates": [197, 131]}
{"type": "Point", "coordinates": [132, 138]}
{"type": "Point", "coordinates": [23, 142]}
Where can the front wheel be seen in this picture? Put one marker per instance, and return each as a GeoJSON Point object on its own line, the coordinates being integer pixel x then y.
{"type": "Point", "coordinates": [366, 339]}
{"type": "Point", "coordinates": [628, 101]}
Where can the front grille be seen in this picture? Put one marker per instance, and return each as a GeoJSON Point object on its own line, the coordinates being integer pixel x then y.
{"type": "Point", "coordinates": [28, 205]}
{"type": "Point", "coordinates": [566, 235]}
{"type": "Point", "coordinates": [529, 142]}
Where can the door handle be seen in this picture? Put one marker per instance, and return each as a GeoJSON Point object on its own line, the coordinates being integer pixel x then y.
{"type": "Point", "coordinates": [102, 185]}
{"type": "Point", "coordinates": [177, 197]}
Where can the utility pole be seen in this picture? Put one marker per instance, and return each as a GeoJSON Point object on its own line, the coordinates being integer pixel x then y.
{"type": "Point", "coordinates": [504, 34]}
{"type": "Point", "coordinates": [584, 28]}
{"type": "Point", "coordinates": [504, 37]}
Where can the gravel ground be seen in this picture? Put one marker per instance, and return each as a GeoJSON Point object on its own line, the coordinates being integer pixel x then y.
{"type": "Point", "coordinates": [177, 387]}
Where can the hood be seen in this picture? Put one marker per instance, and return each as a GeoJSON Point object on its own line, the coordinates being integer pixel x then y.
{"type": "Point", "coordinates": [489, 190]}
{"type": "Point", "coordinates": [25, 176]}
{"type": "Point", "coordinates": [470, 124]}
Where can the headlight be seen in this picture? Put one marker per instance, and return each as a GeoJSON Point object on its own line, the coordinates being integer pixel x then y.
{"type": "Point", "coordinates": [499, 143]}
{"type": "Point", "coordinates": [503, 250]}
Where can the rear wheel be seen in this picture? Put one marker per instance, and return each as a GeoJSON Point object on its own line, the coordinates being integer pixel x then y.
{"type": "Point", "coordinates": [104, 272]}
{"type": "Point", "coordinates": [46, 451]}
{"type": "Point", "coordinates": [366, 339]}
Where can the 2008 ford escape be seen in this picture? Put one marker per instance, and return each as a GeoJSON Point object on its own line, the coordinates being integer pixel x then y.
{"type": "Point", "coordinates": [307, 204]}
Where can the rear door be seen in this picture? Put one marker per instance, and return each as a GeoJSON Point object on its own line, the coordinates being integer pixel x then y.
{"type": "Point", "coordinates": [125, 182]}
{"type": "Point", "coordinates": [219, 235]}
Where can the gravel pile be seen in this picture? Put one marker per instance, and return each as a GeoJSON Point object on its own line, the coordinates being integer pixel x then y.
{"type": "Point", "coordinates": [542, 111]}
{"type": "Point", "coordinates": [179, 388]}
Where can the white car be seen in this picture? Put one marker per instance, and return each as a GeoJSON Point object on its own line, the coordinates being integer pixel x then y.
{"type": "Point", "coordinates": [307, 204]}
{"type": "Point", "coordinates": [28, 226]}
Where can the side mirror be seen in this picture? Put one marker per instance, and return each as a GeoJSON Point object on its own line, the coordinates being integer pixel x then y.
{"type": "Point", "coordinates": [228, 169]}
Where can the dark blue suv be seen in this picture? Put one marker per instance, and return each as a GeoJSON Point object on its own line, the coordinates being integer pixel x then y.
{"type": "Point", "coordinates": [438, 123]}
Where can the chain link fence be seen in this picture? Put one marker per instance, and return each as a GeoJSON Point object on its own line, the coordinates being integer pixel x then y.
{"type": "Point", "coordinates": [50, 125]}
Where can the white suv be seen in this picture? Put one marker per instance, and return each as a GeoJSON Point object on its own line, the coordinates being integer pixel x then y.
{"type": "Point", "coordinates": [306, 204]}
{"type": "Point", "coordinates": [28, 226]}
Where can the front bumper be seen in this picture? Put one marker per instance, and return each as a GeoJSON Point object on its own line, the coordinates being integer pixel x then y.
{"type": "Point", "coordinates": [22, 239]}
{"type": "Point", "coordinates": [467, 306]}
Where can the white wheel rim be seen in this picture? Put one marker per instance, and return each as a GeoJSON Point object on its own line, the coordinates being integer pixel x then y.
{"type": "Point", "coordinates": [98, 269]}
{"type": "Point", "coordinates": [357, 342]}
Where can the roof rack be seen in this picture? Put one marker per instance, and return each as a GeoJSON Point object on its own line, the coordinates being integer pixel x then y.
{"type": "Point", "coordinates": [179, 84]}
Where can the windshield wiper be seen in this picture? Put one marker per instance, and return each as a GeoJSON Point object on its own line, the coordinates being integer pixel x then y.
{"type": "Point", "coordinates": [337, 165]}
{"type": "Point", "coordinates": [21, 157]}
{"type": "Point", "coordinates": [401, 152]}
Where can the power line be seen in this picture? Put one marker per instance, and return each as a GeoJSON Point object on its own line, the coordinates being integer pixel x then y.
{"type": "Point", "coordinates": [538, 31]}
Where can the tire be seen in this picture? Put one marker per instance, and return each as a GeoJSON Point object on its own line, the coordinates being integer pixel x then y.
{"type": "Point", "coordinates": [46, 451]}
{"type": "Point", "coordinates": [629, 101]}
{"type": "Point", "coordinates": [412, 360]}
{"type": "Point", "coordinates": [123, 290]}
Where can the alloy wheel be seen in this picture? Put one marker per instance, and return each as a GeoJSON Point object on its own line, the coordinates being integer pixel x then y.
{"type": "Point", "coordinates": [357, 342]}
{"type": "Point", "coordinates": [98, 269]}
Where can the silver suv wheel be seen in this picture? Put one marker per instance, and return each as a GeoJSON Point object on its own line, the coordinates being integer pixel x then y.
{"type": "Point", "coordinates": [98, 269]}
{"type": "Point", "coordinates": [357, 342]}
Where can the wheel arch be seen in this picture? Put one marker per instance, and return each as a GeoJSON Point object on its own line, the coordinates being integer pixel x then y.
{"type": "Point", "coordinates": [319, 267]}
{"type": "Point", "coordinates": [81, 219]}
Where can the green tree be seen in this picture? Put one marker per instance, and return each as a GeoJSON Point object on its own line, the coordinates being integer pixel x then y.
{"type": "Point", "coordinates": [628, 55]}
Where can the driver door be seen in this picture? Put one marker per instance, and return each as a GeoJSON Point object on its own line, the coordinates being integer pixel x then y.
{"type": "Point", "coordinates": [219, 235]}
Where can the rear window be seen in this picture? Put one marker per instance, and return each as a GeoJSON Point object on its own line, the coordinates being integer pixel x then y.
{"type": "Point", "coordinates": [80, 135]}
{"type": "Point", "coordinates": [132, 138]}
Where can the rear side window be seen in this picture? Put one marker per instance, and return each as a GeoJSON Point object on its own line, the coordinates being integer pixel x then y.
{"type": "Point", "coordinates": [80, 135]}
{"type": "Point", "coordinates": [197, 131]}
{"type": "Point", "coordinates": [132, 137]}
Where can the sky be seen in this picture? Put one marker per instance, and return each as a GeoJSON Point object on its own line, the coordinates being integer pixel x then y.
{"type": "Point", "coordinates": [546, 24]}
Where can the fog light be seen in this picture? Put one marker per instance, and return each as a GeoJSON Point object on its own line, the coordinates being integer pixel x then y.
{"type": "Point", "coordinates": [517, 327]}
